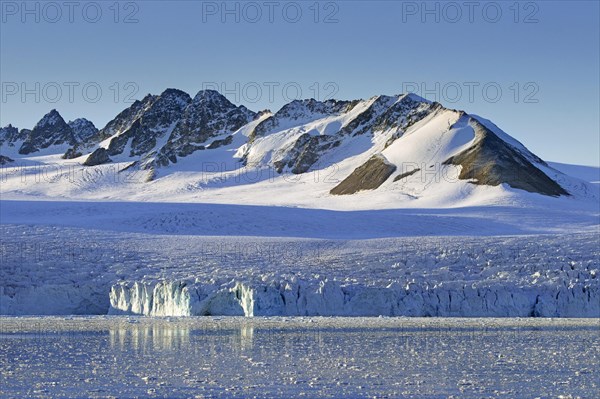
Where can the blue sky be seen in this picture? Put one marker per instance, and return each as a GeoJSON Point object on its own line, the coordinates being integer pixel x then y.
{"type": "Point", "coordinates": [532, 68]}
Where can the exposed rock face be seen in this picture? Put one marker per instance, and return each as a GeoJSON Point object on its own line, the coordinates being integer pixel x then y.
{"type": "Point", "coordinates": [5, 160]}
{"type": "Point", "coordinates": [50, 130]}
{"type": "Point", "coordinates": [406, 174]}
{"type": "Point", "coordinates": [126, 118]}
{"type": "Point", "coordinates": [391, 113]}
{"type": "Point", "coordinates": [305, 147]}
{"type": "Point", "coordinates": [299, 112]}
{"type": "Point", "coordinates": [98, 157]}
{"type": "Point", "coordinates": [368, 176]}
{"type": "Point", "coordinates": [83, 129]}
{"type": "Point", "coordinates": [492, 161]}
{"type": "Point", "coordinates": [305, 152]}
{"type": "Point", "coordinates": [153, 122]}
{"type": "Point", "coordinates": [71, 153]}
{"type": "Point", "coordinates": [10, 135]}
{"type": "Point", "coordinates": [220, 143]}
{"type": "Point", "coordinates": [209, 115]}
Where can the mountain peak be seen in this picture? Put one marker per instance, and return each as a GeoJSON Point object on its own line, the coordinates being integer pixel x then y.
{"type": "Point", "coordinates": [179, 96]}
{"type": "Point", "coordinates": [174, 92]}
{"type": "Point", "coordinates": [83, 129]}
{"type": "Point", "coordinates": [51, 118]}
{"type": "Point", "coordinates": [415, 97]}
{"type": "Point", "coordinates": [211, 96]}
{"type": "Point", "coordinates": [208, 93]}
{"type": "Point", "coordinates": [51, 130]}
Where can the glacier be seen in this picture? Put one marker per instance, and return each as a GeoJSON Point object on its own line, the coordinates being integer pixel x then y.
{"type": "Point", "coordinates": [54, 269]}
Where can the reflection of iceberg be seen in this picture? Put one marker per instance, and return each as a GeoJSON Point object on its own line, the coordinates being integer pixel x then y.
{"type": "Point", "coordinates": [246, 337]}
{"type": "Point", "coordinates": [153, 337]}
{"type": "Point", "coordinates": [166, 336]}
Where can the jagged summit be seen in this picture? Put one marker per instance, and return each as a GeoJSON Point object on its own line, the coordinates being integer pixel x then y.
{"type": "Point", "coordinates": [51, 130]}
{"type": "Point", "coordinates": [208, 94]}
{"type": "Point", "coordinates": [381, 144]}
{"type": "Point", "coordinates": [84, 129]}
{"type": "Point", "coordinates": [51, 118]}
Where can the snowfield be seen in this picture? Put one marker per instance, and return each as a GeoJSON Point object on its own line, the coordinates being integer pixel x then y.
{"type": "Point", "coordinates": [186, 259]}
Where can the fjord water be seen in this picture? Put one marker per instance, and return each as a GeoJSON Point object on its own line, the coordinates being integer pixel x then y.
{"type": "Point", "coordinates": [292, 357]}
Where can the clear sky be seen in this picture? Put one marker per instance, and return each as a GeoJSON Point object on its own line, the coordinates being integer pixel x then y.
{"type": "Point", "coordinates": [531, 67]}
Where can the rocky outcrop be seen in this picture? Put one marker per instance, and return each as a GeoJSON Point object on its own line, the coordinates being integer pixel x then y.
{"type": "Point", "coordinates": [299, 112]}
{"type": "Point", "coordinates": [50, 131]}
{"type": "Point", "coordinates": [368, 176]}
{"type": "Point", "coordinates": [152, 123]}
{"type": "Point", "coordinates": [305, 152]}
{"type": "Point", "coordinates": [5, 160]}
{"type": "Point", "coordinates": [71, 153]}
{"type": "Point", "coordinates": [98, 157]}
{"type": "Point", "coordinates": [406, 174]}
{"type": "Point", "coordinates": [123, 121]}
{"type": "Point", "coordinates": [493, 161]}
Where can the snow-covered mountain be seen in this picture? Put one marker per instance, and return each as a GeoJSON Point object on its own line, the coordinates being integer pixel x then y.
{"type": "Point", "coordinates": [84, 130]}
{"type": "Point", "coordinates": [51, 134]}
{"type": "Point", "coordinates": [395, 148]}
{"type": "Point", "coordinates": [392, 205]}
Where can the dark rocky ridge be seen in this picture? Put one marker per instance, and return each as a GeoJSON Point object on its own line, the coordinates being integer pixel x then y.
{"type": "Point", "coordinates": [209, 115]}
{"type": "Point", "coordinates": [492, 161]}
{"type": "Point", "coordinates": [301, 111]}
{"type": "Point", "coordinates": [5, 160]}
{"type": "Point", "coordinates": [305, 152]}
{"type": "Point", "coordinates": [368, 176]}
{"type": "Point", "coordinates": [9, 135]}
{"type": "Point", "coordinates": [125, 119]}
{"type": "Point", "coordinates": [395, 113]}
{"type": "Point", "coordinates": [406, 174]}
{"type": "Point", "coordinates": [83, 129]}
{"type": "Point", "coordinates": [98, 157]}
{"type": "Point", "coordinates": [50, 130]}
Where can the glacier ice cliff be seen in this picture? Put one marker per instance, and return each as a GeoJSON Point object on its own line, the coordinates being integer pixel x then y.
{"type": "Point", "coordinates": [294, 297]}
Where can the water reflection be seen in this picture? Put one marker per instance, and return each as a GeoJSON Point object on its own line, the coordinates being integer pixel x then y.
{"type": "Point", "coordinates": [158, 338]}
{"type": "Point", "coordinates": [184, 358]}
{"type": "Point", "coordinates": [176, 336]}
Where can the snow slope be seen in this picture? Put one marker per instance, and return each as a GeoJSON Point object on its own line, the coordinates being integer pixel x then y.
{"type": "Point", "coordinates": [587, 173]}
